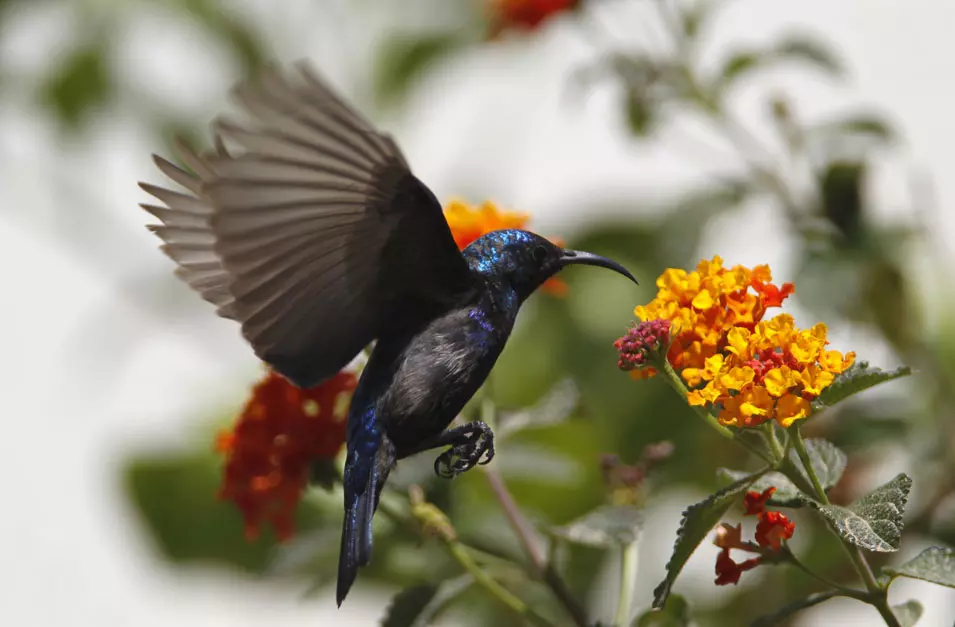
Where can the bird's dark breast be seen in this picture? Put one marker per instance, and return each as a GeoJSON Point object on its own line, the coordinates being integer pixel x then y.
{"type": "Point", "coordinates": [441, 369]}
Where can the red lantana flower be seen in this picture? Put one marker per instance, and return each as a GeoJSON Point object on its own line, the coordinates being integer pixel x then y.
{"type": "Point", "coordinates": [755, 502]}
{"type": "Point", "coordinates": [772, 529]}
{"type": "Point", "coordinates": [728, 571]}
{"type": "Point", "coordinates": [281, 431]}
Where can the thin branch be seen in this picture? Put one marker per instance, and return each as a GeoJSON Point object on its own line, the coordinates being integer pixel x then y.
{"type": "Point", "coordinates": [526, 533]}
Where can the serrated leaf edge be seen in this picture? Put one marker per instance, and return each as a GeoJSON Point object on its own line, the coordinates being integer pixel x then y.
{"type": "Point", "coordinates": [894, 572]}
{"type": "Point", "coordinates": [662, 591]}
{"type": "Point", "coordinates": [904, 487]}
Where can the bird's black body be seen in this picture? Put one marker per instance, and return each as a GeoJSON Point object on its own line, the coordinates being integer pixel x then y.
{"type": "Point", "coordinates": [311, 231]}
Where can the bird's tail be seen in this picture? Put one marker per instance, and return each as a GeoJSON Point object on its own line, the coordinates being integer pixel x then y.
{"type": "Point", "coordinates": [364, 480]}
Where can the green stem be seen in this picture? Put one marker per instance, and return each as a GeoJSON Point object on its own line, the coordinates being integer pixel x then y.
{"type": "Point", "coordinates": [628, 576]}
{"type": "Point", "coordinates": [463, 555]}
{"type": "Point", "coordinates": [778, 452]}
{"type": "Point", "coordinates": [877, 596]}
{"type": "Point", "coordinates": [525, 532]}
{"type": "Point", "coordinates": [843, 590]}
{"type": "Point", "coordinates": [460, 553]}
{"type": "Point", "coordinates": [525, 535]}
{"type": "Point", "coordinates": [677, 384]}
{"type": "Point", "coordinates": [886, 612]}
{"type": "Point", "coordinates": [800, 445]}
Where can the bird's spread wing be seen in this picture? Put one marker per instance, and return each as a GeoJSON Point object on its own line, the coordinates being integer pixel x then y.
{"type": "Point", "coordinates": [309, 229]}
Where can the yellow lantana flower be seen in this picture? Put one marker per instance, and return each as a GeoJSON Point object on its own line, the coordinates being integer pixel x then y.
{"type": "Point", "coordinates": [749, 369]}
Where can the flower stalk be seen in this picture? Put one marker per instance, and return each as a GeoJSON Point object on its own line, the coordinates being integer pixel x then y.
{"type": "Point", "coordinates": [628, 580]}
{"type": "Point", "coordinates": [677, 384]}
{"type": "Point", "coordinates": [542, 568]}
{"type": "Point", "coordinates": [877, 596]}
{"type": "Point", "coordinates": [711, 421]}
{"type": "Point", "coordinates": [435, 523]}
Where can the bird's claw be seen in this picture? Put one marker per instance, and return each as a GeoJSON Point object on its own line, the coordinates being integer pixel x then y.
{"type": "Point", "coordinates": [476, 447]}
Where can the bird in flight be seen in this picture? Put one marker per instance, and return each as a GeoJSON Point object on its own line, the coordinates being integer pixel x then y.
{"type": "Point", "coordinates": [306, 226]}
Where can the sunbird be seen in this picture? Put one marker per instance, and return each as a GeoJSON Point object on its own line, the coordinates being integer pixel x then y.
{"type": "Point", "coordinates": [306, 226]}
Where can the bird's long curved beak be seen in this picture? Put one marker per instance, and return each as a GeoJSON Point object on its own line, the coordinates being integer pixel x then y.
{"type": "Point", "coordinates": [571, 257]}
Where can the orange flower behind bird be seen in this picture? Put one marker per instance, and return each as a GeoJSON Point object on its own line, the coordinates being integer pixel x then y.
{"type": "Point", "coordinates": [280, 433]}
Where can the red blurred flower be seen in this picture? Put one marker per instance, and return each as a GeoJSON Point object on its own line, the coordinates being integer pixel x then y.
{"type": "Point", "coordinates": [525, 15]}
{"type": "Point", "coordinates": [281, 431]}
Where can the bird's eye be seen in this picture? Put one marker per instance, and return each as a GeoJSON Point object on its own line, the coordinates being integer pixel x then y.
{"type": "Point", "coordinates": [540, 254]}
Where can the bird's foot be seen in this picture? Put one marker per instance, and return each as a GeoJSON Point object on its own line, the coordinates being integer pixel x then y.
{"type": "Point", "coordinates": [472, 444]}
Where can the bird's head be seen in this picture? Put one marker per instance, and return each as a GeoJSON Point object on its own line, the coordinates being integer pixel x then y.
{"type": "Point", "coordinates": [523, 260]}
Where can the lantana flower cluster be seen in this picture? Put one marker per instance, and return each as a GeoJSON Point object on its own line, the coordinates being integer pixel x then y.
{"type": "Point", "coordinates": [772, 530]}
{"type": "Point", "coordinates": [639, 347]}
{"type": "Point", "coordinates": [280, 433]}
{"type": "Point", "coordinates": [748, 368]}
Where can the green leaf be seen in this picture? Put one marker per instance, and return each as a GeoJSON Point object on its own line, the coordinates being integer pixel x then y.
{"type": "Point", "coordinates": [420, 606]}
{"type": "Point", "coordinates": [80, 84]}
{"type": "Point", "coordinates": [777, 617]}
{"type": "Point", "coordinates": [675, 614]}
{"type": "Point", "coordinates": [697, 15]}
{"type": "Point", "coordinates": [742, 63]}
{"type": "Point", "coordinates": [640, 112]}
{"type": "Point", "coordinates": [739, 63]}
{"type": "Point", "coordinates": [827, 461]}
{"type": "Point", "coordinates": [863, 124]}
{"type": "Point", "coordinates": [874, 522]}
{"type": "Point", "coordinates": [403, 59]}
{"type": "Point", "coordinates": [800, 48]}
{"type": "Point", "coordinates": [908, 613]}
{"type": "Point", "coordinates": [408, 605]}
{"type": "Point", "coordinates": [841, 185]}
{"type": "Point", "coordinates": [606, 526]}
{"type": "Point", "coordinates": [786, 494]}
{"type": "Point", "coordinates": [698, 520]}
{"type": "Point", "coordinates": [935, 565]}
{"type": "Point", "coordinates": [858, 378]}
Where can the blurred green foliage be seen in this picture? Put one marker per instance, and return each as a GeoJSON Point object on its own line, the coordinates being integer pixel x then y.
{"type": "Point", "coordinates": [78, 85]}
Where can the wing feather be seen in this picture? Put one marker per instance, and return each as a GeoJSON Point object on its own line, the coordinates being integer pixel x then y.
{"type": "Point", "coordinates": [311, 232]}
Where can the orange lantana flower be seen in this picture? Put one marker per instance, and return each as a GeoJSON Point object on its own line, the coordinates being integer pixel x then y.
{"type": "Point", "coordinates": [747, 368]}
{"type": "Point", "coordinates": [280, 433]}
{"type": "Point", "coordinates": [468, 223]}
